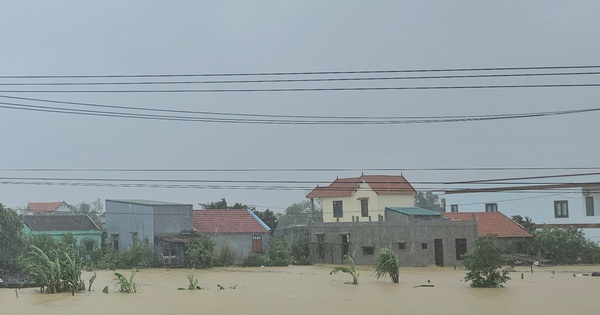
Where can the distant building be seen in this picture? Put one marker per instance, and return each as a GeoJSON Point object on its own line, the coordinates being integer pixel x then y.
{"type": "Point", "coordinates": [364, 198]}
{"type": "Point", "coordinates": [238, 231]}
{"type": "Point", "coordinates": [48, 207]}
{"type": "Point", "coordinates": [552, 205]}
{"type": "Point", "coordinates": [85, 231]}
{"type": "Point", "coordinates": [510, 234]}
{"type": "Point", "coordinates": [130, 220]}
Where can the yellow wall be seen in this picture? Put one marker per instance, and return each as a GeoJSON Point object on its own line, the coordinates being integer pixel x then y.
{"type": "Point", "coordinates": [377, 204]}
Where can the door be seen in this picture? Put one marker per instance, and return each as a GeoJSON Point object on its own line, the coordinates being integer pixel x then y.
{"type": "Point", "coordinates": [345, 245]}
{"type": "Point", "coordinates": [439, 252]}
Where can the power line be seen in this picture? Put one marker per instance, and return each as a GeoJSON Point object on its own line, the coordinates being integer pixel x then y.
{"type": "Point", "coordinates": [338, 89]}
{"type": "Point", "coordinates": [467, 76]}
{"type": "Point", "coordinates": [302, 73]}
{"type": "Point", "coordinates": [432, 119]}
{"type": "Point", "coordinates": [236, 170]}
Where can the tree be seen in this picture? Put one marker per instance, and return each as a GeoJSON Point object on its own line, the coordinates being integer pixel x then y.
{"type": "Point", "coordinates": [524, 222]}
{"type": "Point", "coordinates": [387, 263]}
{"type": "Point", "coordinates": [268, 217]}
{"type": "Point", "coordinates": [427, 200]}
{"type": "Point", "coordinates": [222, 204]}
{"type": "Point", "coordinates": [300, 213]}
{"type": "Point", "coordinates": [484, 263]}
{"type": "Point", "coordinates": [11, 237]}
{"type": "Point", "coordinates": [566, 246]}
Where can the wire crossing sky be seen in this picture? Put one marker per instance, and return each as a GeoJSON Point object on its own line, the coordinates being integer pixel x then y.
{"type": "Point", "coordinates": [258, 102]}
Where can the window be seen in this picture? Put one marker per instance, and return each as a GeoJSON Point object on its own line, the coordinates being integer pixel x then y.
{"type": "Point", "coordinates": [461, 247]}
{"type": "Point", "coordinates": [402, 245]}
{"type": "Point", "coordinates": [453, 208]}
{"type": "Point", "coordinates": [364, 207]}
{"type": "Point", "coordinates": [115, 240]}
{"type": "Point", "coordinates": [257, 244]}
{"type": "Point", "coordinates": [589, 206]}
{"type": "Point", "coordinates": [134, 238]}
{"type": "Point", "coordinates": [338, 210]}
{"type": "Point", "coordinates": [561, 209]}
{"type": "Point", "coordinates": [89, 246]}
{"type": "Point", "coordinates": [368, 250]}
{"type": "Point", "coordinates": [423, 245]}
{"type": "Point", "coordinates": [491, 207]}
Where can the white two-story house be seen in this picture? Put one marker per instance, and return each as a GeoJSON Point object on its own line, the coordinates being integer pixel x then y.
{"type": "Point", "coordinates": [553, 205]}
{"type": "Point", "coordinates": [364, 198]}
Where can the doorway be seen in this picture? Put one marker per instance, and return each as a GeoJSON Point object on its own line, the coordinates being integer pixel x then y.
{"type": "Point", "coordinates": [439, 252]}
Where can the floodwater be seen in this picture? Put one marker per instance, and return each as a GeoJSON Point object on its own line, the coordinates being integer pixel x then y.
{"type": "Point", "coordinates": [312, 290]}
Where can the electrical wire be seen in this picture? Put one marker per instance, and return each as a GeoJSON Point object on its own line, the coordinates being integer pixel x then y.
{"type": "Point", "coordinates": [468, 76]}
{"type": "Point", "coordinates": [303, 73]}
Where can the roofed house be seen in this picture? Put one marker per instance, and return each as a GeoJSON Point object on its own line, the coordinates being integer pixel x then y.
{"type": "Point", "coordinates": [363, 198]}
{"type": "Point", "coordinates": [85, 231]}
{"type": "Point", "coordinates": [512, 235]}
{"type": "Point", "coordinates": [556, 205]}
{"type": "Point", "coordinates": [48, 207]}
{"type": "Point", "coordinates": [238, 231]}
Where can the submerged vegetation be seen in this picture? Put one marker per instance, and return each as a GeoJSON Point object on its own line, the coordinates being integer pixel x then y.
{"type": "Point", "coordinates": [387, 264]}
{"type": "Point", "coordinates": [485, 264]}
{"type": "Point", "coordinates": [126, 285]}
{"type": "Point", "coordinates": [349, 270]}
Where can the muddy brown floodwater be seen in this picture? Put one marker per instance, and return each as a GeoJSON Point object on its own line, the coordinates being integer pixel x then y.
{"type": "Point", "coordinates": [311, 290]}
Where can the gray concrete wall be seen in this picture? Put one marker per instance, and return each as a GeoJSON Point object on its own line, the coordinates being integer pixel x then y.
{"type": "Point", "coordinates": [239, 244]}
{"type": "Point", "coordinates": [127, 218]}
{"type": "Point", "coordinates": [173, 219]}
{"type": "Point", "coordinates": [388, 235]}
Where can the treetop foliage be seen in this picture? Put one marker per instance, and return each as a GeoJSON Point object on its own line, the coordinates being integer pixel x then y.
{"type": "Point", "coordinates": [427, 200]}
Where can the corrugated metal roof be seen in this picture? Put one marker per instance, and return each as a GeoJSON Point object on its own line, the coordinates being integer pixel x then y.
{"type": "Point", "coordinates": [148, 202]}
{"type": "Point", "coordinates": [414, 211]}
{"type": "Point", "coordinates": [59, 222]}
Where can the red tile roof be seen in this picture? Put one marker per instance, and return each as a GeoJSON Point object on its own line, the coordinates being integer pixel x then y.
{"type": "Point", "coordinates": [44, 206]}
{"type": "Point", "coordinates": [228, 221]}
{"type": "Point", "coordinates": [494, 223]}
{"type": "Point", "coordinates": [381, 184]}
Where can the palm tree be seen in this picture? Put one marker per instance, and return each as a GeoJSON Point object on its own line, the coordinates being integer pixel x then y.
{"type": "Point", "coordinates": [350, 270]}
{"type": "Point", "coordinates": [386, 263]}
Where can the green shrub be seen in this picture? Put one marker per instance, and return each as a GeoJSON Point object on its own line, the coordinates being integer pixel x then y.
{"type": "Point", "coordinates": [279, 252]}
{"type": "Point", "coordinates": [484, 263]}
{"type": "Point", "coordinates": [387, 263]}
{"type": "Point", "coordinates": [255, 260]}
{"type": "Point", "coordinates": [300, 250]}
{"type": "Point", "coordinates": [225, 257]}
{"type": "Point", "coordinates": [200, 253]}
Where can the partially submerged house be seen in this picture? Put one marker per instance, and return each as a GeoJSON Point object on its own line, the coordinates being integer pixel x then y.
{"type": "Point", "coordinates": [162, 224]}
{"type": "Point", "coordinates": [364, 198]}
{"type": "Point", "coordinates": [237, 231]}
{"type": "Point", "coordinates": [48, 207]}
{"type": "Point", "coordinates": [551, 205]}
{"type": "Point", "coordinates": [364, 214]}
{"type": "Point", "coordinates": [512, 237]}
{"type": "Point", "coordinates": [87, 234]}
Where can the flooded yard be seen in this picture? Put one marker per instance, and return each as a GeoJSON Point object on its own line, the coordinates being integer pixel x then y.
{"type": "Point", "coordinates": [311, 290]}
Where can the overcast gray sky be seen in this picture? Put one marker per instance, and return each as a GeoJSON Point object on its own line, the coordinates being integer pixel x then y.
{"type": "Point", "coordinates": [200, 37]}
